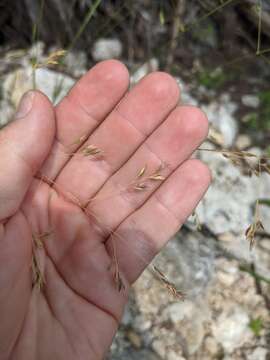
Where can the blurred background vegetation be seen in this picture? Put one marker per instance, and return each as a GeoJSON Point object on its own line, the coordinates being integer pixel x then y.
{"type": "Point", "coordinates": [223, 45]}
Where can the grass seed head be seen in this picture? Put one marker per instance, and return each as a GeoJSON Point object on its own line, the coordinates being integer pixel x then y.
{"type": "Point", "coordinates": [39, 238]}
{"type": "Point", "coordinates": [79, 140]}
{"type": "Point", "coordinates": [143, 184]}
{"type": "Point", "coordinates": [53, 59]}
{"type": "Point", "coordinates": [168, 284]}
{"type": "Point", "coordinates": [140, 187]}
{"type": "Point", "coordinates": [91, 150]}
{"type": "Point", "coordinates": [157, 177]}
{"type": "Point", "coordinates": [37, 276]}
{"type": "Point", "coordinates": [141, 172]}
{"type": "Point", "coordinates": [253, 228]}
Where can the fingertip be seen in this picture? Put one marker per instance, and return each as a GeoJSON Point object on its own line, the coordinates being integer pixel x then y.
{"type": "Point", "coordinates": [114, 68]}
{"type": "Point", "coordinates": [25, 144]}
{"type": "Point", "coordinates": [33, 129]}
{"type": "Point", "coordinates": [199, 173]}
{"type": "Point", "coordinates": [196, 120]}
{"type": "Point", "coordinates": [164, 85]}
{"type": "Point", "coordinates": [100, 89]}
{"type": "Point", "coordinates": [112, 73]}
{"type": "Point", "coordinates": [43, 100]}
{"type": "Point", "coordinates": [42, 115]}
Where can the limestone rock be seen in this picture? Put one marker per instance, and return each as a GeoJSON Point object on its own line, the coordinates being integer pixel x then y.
{"type": "Point", "coordinates": [54, 85]}
{"type": "Point", "coordinates": [104, 49]}
{"type": "Point", "coordinates": [231, 329]}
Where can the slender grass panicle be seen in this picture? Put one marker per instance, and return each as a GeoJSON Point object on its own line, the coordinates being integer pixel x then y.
{"type": "Point", "coordinates": [38, 279]}
{"type": "Point", "coordinates": [252, 229]}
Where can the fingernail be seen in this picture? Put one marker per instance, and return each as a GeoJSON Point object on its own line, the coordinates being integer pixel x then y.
{"type": "Point", "coordinates": [25, 105]}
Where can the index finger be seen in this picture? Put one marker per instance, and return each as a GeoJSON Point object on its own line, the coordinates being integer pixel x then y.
{"type": "Point", "coordinates": [87, 104]}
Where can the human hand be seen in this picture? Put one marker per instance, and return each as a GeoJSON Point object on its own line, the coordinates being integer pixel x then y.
{"type": "Point", "coordinates": [89, 193]}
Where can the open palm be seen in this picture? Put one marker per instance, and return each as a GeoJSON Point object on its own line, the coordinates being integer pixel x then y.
{"type": "Point", "coordinates": [89, 193]}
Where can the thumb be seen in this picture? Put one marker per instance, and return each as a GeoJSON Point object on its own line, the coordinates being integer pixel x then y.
{"type": "Point", "coordinates": [24, 145]}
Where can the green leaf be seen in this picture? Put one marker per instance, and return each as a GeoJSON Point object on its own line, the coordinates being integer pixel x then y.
{"type": "Point", "coordinates": [256, 326]}
{"type": "Point", "coordinates": [265, 202]}
{"type": "Point", "coordinates": [161, 17]}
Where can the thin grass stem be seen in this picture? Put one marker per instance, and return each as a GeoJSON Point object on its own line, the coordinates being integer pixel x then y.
{"type": "Point", "coordinates": [90, 13]}
{"type": "Point", "coordinates": [259, 28]}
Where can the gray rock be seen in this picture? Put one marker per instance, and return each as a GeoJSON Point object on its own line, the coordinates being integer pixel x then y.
{"type": "Point", "coordinates": [251, 101]}
{"type": "Point", "coordinates": [193, 256]}
{"type": "Point", "coordinates": [211, 346]}
{"type": "Point", "coordinates": [185, 96]}
{"type": "Point", "coordinates": [228, 206]}
{"type": "Point", "coordinates": [258, 354]}
{"type": "Point", "coordinates": [243, 141]}
{"type": "Point", "coordinates": [54, 85]}
{"type": "Point", "coordinates": [189, 317]}
{"type": "Point", "coordinates": [104, 49]}
{"type": "Point", "coordinates": [220, 112]}
{"type": "Point", "coordinates": [76, 63]}
{"type": "Point", "coordinates": [6, 112]}
{"type": "Point", "coordinates": [220, 115]}
{"type": "Point", "coordinates": [231, 329]}
{"type": "Point", "coordinates": [143, 70]}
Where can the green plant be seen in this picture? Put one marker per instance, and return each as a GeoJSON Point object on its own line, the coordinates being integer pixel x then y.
{"type": "Point", "coordinates": [256, 325]}
{"type": "Point", "coordinates": [212, 79]}
{"type": "Point", "coordinates": [265, 109]}
{"type": "Point", "coordinates": [252, 121]}
{"type": "Point", "coordinates": [260, 120]}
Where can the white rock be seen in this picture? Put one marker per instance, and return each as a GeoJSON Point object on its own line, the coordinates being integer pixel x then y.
{"type": "Point", "coordinates": [180, 310]}
{"type": "Point", "coordinates": [76, 63]}
{"type": "Point", "coordinates": [189, 317]}
{"type": "Point", "coordinates": [37, 50]}
{"type": "Point", "coordinates": [127, 318]}
{"type": "Point", "coordinates": [243, 141]}
{"type": "Point", "coordinates": [219, 112]}
{"type": "Point", "coordinates": [16, 83]}
{"type": "Point", "coordinates": [258, 354]}
{"type": "Point", "coordinates": [228, 206]}
{"type": "Point", "coordinates": [220, 115]}
{"type": "Point", "coordinates": [159, 348]}
{"type": "Point", "coordinates": [6, 112]}
{"type": "Point", "coordinates": [231, 328]}
{"type": "Point", "coordinates": [226, 279]}
{"type": "Point", "coordinates": [54, 85]}
{"type": "Point", "coordinates": [251, 101]}
{"type": "Point", "coordinates": [172, 355]}
{"type": "Point", "coordinates": [104, 49]}
{"type": "Point", "coordinates": [141, 324]}
{"type": "Point", "coordinates": [146, 68]}
{"type": "Point", "coordinates": [211, 346]}
{"type": "Point", "coordinates": [185, 93]}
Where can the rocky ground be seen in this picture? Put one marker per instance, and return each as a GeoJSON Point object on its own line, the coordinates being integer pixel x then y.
{"type": "Point", "coordinates": [226, 311]}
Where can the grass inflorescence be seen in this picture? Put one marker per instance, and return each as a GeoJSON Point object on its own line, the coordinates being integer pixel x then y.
{"type": "Point", "coordinates": [38, 280]}
{"type": "Point", "coordinates": [142, 181]}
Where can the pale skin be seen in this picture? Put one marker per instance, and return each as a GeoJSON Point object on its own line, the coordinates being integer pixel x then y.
{"type": "Point", "coordinates": [76, 313]}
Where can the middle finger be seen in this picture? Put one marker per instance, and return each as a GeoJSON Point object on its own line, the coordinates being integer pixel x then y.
{"type": "Point", "coordinates": [118, 136]}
